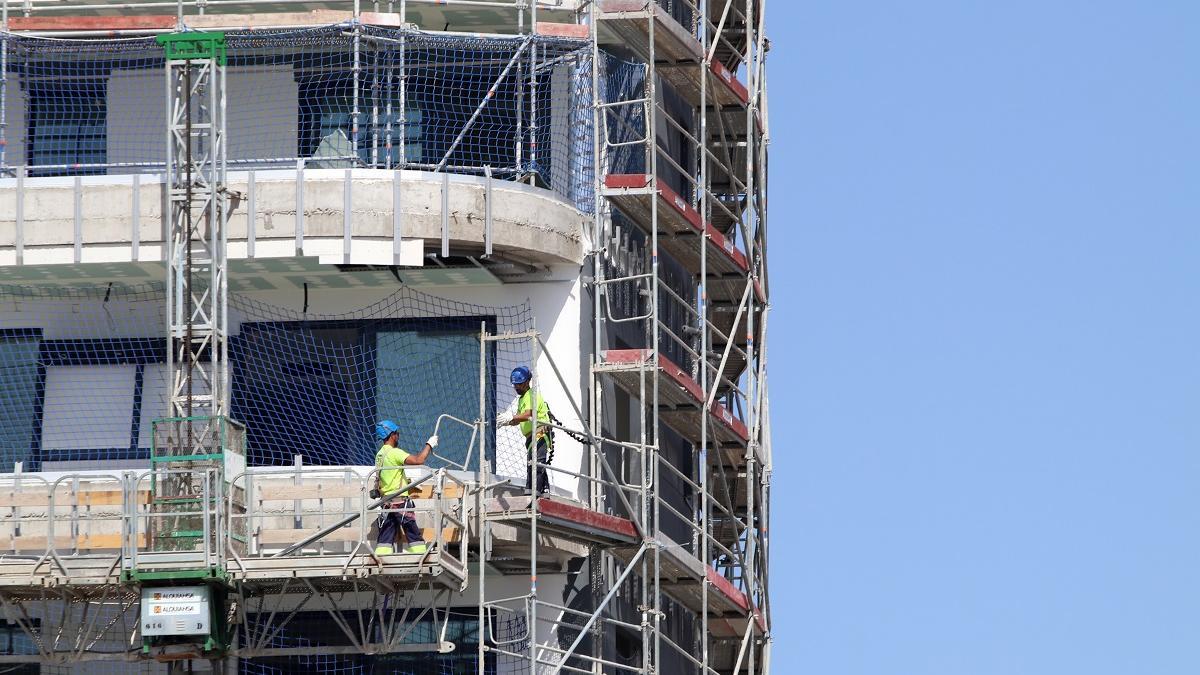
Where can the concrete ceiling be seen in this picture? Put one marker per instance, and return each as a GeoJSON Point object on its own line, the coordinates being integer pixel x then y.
{"type": "Point", "coordinates": [263, 274]}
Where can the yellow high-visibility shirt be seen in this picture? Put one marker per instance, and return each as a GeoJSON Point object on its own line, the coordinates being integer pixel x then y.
{"type": "Point", "coordinates": [391, 480]}
{"type": "Point", "coordinates": [525, 404]}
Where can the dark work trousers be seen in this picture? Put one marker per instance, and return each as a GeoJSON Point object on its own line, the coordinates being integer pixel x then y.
{"type": "Point", "coordinates": [392, 519]}
{"type": "Point", "coordinates": [544, 456]}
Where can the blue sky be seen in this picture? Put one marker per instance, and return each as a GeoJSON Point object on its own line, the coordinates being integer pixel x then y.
{"type": "Point", "coordinates": [985, 345]}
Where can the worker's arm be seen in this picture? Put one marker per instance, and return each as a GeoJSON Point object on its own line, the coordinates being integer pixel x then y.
{"type": "Point", "coordinates": [524, 415]}
{"type": "Point", "coordinates": [521, 417]}
{"type": "Point", "coordinates": [420, 457]}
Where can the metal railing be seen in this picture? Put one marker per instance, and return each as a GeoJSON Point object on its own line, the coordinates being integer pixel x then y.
{"type": "Point", "coordinates": [220, 524]}
{"type": "Point", "coordinates": [512, 107]}
{"type": "Point", "coordinates": [286, 515]}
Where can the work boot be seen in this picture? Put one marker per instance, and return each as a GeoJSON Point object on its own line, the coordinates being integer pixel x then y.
{"type": "Point", "coordinates": [418, 548]}
{"type": "Point", "coordinates": [383, 550]}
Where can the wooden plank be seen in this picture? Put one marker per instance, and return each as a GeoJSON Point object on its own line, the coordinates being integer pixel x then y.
{"type": "Point", "coordinates": [64, 499]}
{"type": "Point", "coordinates": [290, 493]}
{"type": "Point", "coordinates": [66, 542]}
{"type": "Point", "coordinates": [390, 19]}
{"type": "Point", "coordinates": [450, 535]}
{"type": "Point", "coordinates": [75, 23]}
{"type": "Point", "coordinates": [279, 491]}
{"type": "Point", "coordinates": [291, 536]}
{"type": "Point", "coordinates": [567, 30]}
{"type": "Point", "coordinates": [316, 17]}
{"type": "Point", "coordinates": [109, 497]}
{"type": "Point", "coordinates": [11, 499]}
{"type": "Point", "coordinates": [624, 5]}
{"type": "Point", "coordinates": [450, 491]}
{"type": "Point", "coordinates": [266, 19]}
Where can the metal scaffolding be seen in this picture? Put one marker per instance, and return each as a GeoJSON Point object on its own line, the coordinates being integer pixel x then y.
{"type": "Point", "coordinates": [674, 506]}
{"type": "Point", "coordinates": [698, 206]}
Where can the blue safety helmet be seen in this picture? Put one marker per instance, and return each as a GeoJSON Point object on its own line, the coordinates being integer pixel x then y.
{"type": "Point", "coordinates": [520, 375]}
{"type": "Point", "coordinates": [385, 428]}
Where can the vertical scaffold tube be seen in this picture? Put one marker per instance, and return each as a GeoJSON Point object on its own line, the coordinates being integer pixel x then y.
{"type": "Point", "coordinates": [480, 503]}
{"type": "Point", "coordinates": [702, 315]}
{"type": "Point", "coordinates": [535, 491]}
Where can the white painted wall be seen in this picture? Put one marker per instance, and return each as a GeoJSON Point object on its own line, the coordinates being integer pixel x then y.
{"type": "Point", "coordinates": [261, 114]}
{"type": "Point", "coordinates": [137, 117]}
{"type": "Point", "coordinates": [77, 319]}
{"type": "Point", "coordinates": [76, 418]}
{"type": "Point", "coordinates": [14, 120]}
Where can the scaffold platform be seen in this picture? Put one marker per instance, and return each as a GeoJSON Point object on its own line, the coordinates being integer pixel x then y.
{"type": "Point", "coordinates": [93, 530]}
{"type": "Point", "coordinates": [683, 576]}
{"type": "Point", "coordinates": [680, 398]}
{"type": "Point", "coordinates": [680, 223]}
{"type": "Point", "coordinates": [564, 517]}
{"type": "Point", "coordinates": [674, 49]}
{"type": "Point", "coordinates": [630, 22]}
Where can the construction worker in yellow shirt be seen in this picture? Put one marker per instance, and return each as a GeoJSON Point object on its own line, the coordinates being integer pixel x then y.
{"type": "Point", "coordinates": [397, 515]}
{"type": "Point", "coordinates": [541, 447]}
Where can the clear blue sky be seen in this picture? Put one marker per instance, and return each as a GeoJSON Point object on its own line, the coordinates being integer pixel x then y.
{"type": "Point", "coordinates": [985, 341]}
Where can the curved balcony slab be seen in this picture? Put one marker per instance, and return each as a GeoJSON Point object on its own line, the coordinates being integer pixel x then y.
{"type": "Point", "coordinates": [341, 216]}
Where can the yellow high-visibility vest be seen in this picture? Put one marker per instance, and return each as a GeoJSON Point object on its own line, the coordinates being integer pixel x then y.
{"type": "Point", "coordinates": [525, 404]}
{"type": "Point", "coordinates": [391, 480]}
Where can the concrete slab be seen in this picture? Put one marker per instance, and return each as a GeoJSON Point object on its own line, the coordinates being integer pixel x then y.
{"type": "Point", "coordinates": [290, 213]}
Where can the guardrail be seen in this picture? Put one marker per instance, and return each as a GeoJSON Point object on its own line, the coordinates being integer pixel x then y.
{"type": "Point", "coordinates": [319, 510]}
{"type": "Point", "coordinates": [212, 523]}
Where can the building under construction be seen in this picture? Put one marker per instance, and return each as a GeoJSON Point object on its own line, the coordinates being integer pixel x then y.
{"type": "Point", "coordinates": [235, 234]}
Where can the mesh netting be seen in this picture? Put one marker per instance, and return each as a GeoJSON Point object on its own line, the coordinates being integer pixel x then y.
{"type": "Point", "coordinates": [623, 121]}
{"type": "Point", "coordinates": [94, 668]}
{"type": "Point", "coordinates": [57, 625]}
{"type": "Point", "coordinates": [101, 626]}
{"type": "Point", "coordinates": [334, 96]}
{"type": "Point", "coordinates": [83, 374]}
{"type": "Point", "coordinates": [314, 629]}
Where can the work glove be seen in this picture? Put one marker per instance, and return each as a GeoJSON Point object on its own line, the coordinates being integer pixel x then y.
{"type": "Point", "coordinates": [503, 419]}
{"type": "Point", "coordinates": [432, 442]}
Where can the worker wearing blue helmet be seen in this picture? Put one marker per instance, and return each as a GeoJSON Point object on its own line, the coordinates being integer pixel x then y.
{"type": "Point", "coordinates": [540, 442]}
{"type": "Point", "coordinates": [397, 515]}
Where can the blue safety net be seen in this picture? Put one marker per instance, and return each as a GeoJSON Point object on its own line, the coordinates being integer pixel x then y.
{"type": "Point", "coordinates": [623, 128]}
{"type": "Point", "coordinates": [316, 632]}
{"type": "Point", "coordinates": [519, 108]}
{"type": "Point", "coordinates": [84, 373]}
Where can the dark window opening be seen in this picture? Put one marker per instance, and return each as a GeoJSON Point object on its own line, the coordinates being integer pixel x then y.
{"type": "Point", "coordinates": [310, 388]}
{"type": "Point", "coordinates": [14, 641]}
{"type": "Point", "coordinates": [628, 645]}
{"type": "Point", "coordinates": [67, 126]}
{"type": "Point", "coordinates": [327, 130]}
{"type": "Point", "coordinates": [318, 388]}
